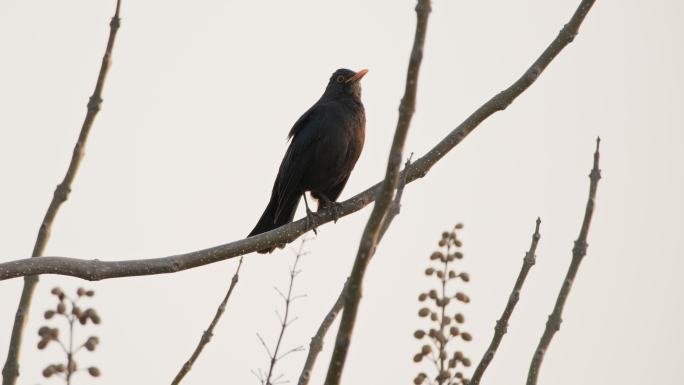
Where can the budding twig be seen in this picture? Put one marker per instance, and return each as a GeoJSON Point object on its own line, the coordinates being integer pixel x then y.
{"type": "Point", "coordinates": [578, 253]}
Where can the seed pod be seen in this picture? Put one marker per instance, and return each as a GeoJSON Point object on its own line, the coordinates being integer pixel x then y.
{"type": "Point", "coordinates": [459, 318]}
{"type": "Point", "coordinates": [465, 277]}
{"type": "Point", "coordinates": [80, 292]}
{"type": "Point", "coordinates": [426, 349]}
{"type": "Point", "coordinates": [419, 334]}
{"type": "Point", "coordinates": [429, 271]}
{"type": "Point", "coordinates": [94, 371]}
{"type": "Point", "coordinates": [423, 312]}
{"type": "Point", "coordinates": [422, 297]}
{"type": "Point", "coordinates": [453, 331]}
{"type": "Point", "coordinates": [48, 372]}
{"type": "Point", "coordinates": [61, 308]}
{"type": "Point", "coordinates": [49, 314]}
{"type": "Point", "coordinates": [418, 357]}
{"type": "Point", "coordinates": [466, 336]}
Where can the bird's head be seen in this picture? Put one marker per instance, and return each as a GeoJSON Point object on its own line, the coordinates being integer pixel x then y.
{"type": "Point", "coordinates": [344, 82]}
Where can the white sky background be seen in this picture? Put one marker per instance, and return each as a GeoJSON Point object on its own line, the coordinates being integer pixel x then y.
{"type": "Point", "coordinates": [196, 108]}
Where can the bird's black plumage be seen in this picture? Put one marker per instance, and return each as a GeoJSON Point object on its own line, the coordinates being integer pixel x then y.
{"type": "Point", "coordinates": [325, 144]}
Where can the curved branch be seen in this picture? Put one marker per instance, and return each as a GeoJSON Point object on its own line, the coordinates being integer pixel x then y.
{"type": "Point", "coordinates": [95, 270]}
{"type": "Point", "coordinates": [10, 371]}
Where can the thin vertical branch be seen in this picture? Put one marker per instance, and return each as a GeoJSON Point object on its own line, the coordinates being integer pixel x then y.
{"type": "Point", "coordinates": [10, 371]}
{"type": "Point", "coordinates": [502, 324]}
{"type": "Point", "coordinates": [578, 253]}
{"type": "Point", "coordinates": [383, 201]}
{"type": "Point", "coordinates": [206, 336]}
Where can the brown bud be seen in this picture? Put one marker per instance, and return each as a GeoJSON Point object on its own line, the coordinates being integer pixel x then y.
{"type": "Point", "coordinates": [90, 293]}
{"type": "Point", "coordinates": [465, 277]}
{"type": "Point", "coordinates": [43, 331]}
{"type": "Point", "coordinates": [453, 331]}
{"type": "Point", "coordinates": [458, 226]}
{"type": "Point", "coordinates": [462, 297]}
{"type": "Point", "coordinates": [466, 336]}
{"type": "Point", "coordinates": [458, 355]}
{"type": "Point", "coordinates": [466, 362]}
{"type": "Point", "coordinates": [459, 318]}
{"type": "Point", "coordinates": [440, 274]}
{"type": "Point", "coordinates": [94, 371]}
{"type": "Point", "coordinates": [56, 291]}
{"type": "Point", "coordinates": [54, 333]}
{"type": "Point", "coordinates": [423, 312]}
{"type": "Point", "coordinates": [452, 274]}
{"type": "Point", "coordinates": [418, 357]}
{"type": "Point", "coordinates": [76, 311]}
{"type": "Point", "coordinates": [49, 314]}
{"type": "Point", "coordinates": [43, 343]}
{"type": "Point", "coordinates": [429, 271]}
{"type": "Point", "coordinates": [445, 235]}
{"type": "Point", "coordinates": [458, 243]}
{"type": "Point", "coordinates": [458, 255]}
{"type": "Point", "coordinates": [59, 368]}
{"type": "Point", "coordinates": [442, 355]}
{"type": "Point", "coordinates": [422, 297]}
{"type": "Point", "coordinates": [80, 292]}
{"type": "Point", "coordinates": [432, 294]}
{"type": "Point", "coordinates": [426, 349]}
{"type": "Point", "coordinates": [48, 372]}
{"type": "Point", "coordinates": [61, 308]}
{"type": "Point", "coordinates": [446, 320]}
{"type": "Point", "coordinates": [441, 243]}
{"type": "Point", "coordinates": [419, 378]}
{"type": "Point", "coordinates": [434, 316]}
{"type": "Point", "coordinates": [436, 255]}
{"type": "Point", "coordinates": [432, 333]}
{"type": "Point", "coordinates": [419, 334]}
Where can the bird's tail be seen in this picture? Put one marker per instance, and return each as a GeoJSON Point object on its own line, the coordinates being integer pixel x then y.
{"type": "Point", "coordinates": [275, 215]}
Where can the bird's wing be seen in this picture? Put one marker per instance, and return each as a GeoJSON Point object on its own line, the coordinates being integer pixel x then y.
{"type": "Point", "coordinates": [305, 134]}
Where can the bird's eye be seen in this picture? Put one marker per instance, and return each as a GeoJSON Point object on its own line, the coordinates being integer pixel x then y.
{"type": "Point", "coordinates": [339, 79]}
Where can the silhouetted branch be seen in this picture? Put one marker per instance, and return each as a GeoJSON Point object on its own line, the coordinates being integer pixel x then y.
{"type": "Point", "coordinates": [316, 344]}
{"type": "Point", "coordinates": [502, 323]}
{"type": "Point", "coordinates": [206, 336]}
{"type": "Point", "coordinates": [578, 252]}
{"type": "Point", "coordinates": [10, 371]}
{"type": "Point", "coordinates": [95, 270]}
{"type": "Point", "coordinates": [383, 201]}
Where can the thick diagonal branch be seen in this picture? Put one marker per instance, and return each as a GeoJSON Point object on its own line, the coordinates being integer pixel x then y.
{"type": "Point", "coordinates": [95, 269]}
{"type": "Point", "coordinates": [578, 253]}
{"type": "Point", "coordinates": [374, 226]}
{"type": "Point", "coordinates": [502, 324]}
{"type": "Point", "coordinates": [316, 344]}
{"type": "Point", "coordinates": [10, 371]}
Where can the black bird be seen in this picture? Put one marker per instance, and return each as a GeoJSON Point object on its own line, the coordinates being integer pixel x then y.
{"type": "Point", "coordinates": [325, 144]}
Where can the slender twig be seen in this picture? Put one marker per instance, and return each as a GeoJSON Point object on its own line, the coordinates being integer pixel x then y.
{"type": "Point", "coordinates": [370, 236]}
{"type": "Point", "coordinates": [502, 324]}
{"type": "Point", "coordinates": [267, 378]}
{"type": "Point", "coordinates": [578, 252]}
{"type": "Point", "coordinates": [95, 270]}
{"type": "Point", "coordinates": [316, 344]}
{"type": "Point", "coordinates": [10, 371]}
{"type": "Point", "coordinates": [206, 336]}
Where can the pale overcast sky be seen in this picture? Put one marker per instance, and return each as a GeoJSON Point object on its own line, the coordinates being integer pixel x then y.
{"type": "Point", "coordinates": [196, 109]}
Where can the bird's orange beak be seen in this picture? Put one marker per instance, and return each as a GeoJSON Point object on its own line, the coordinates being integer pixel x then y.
{"type": "Point", "coordinates": [357, 76]}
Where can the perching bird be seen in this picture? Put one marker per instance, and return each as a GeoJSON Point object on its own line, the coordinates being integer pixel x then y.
{"type": "Point", "coordinates": [325, 144]}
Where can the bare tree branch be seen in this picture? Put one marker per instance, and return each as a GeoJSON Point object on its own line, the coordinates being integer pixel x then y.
{"type": "Point", "coordinates": [383, 201]}
{"type": "Point", "coordinates": [94, 270]}
{"type": "Point", "coordinates": [206, 336]}
{"type": "Point", "coordinates": [502, 323]}
{"type": "Point", "coordinates": [316, 344]}
{"type": "Point", "coordinates": [10, 371]}
{"type": "Point", "coordinates": [578, 253]}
